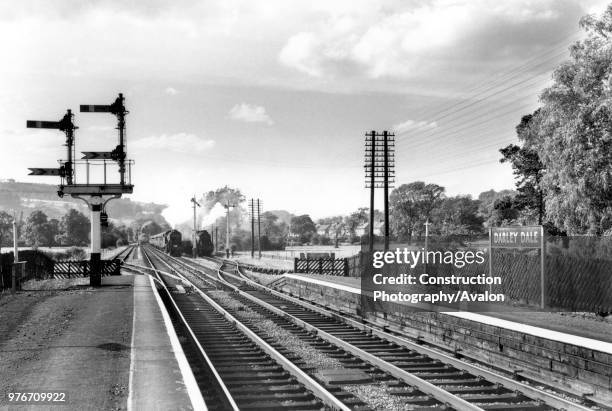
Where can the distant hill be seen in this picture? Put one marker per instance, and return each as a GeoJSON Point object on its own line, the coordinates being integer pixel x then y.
{"type": "Point", "coordinates": [35, 196]}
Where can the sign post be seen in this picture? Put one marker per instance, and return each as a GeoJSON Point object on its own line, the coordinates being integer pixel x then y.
{"type": "Point", "coordinates": [520, 237]}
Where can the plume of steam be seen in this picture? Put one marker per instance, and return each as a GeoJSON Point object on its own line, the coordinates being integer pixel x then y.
{"type": "Point", "coordinates": [215, 212]}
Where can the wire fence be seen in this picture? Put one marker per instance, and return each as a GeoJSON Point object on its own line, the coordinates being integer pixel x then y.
{"type": "Point", "coordinates": [574, 275]}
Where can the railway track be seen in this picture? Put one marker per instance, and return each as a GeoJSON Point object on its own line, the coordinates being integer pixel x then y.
{"type": "Point", "coordinates": [124, 254]}
{"type": "Point", "coordinates": [416, 377]}
{"type": "Point", "coordinates": [245, 369]}
{"type": "Point", "coordinates": [476, 385]}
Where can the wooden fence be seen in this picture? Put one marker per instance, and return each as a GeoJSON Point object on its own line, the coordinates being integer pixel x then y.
{"type": "Point", "coordinates": [71, 269]}
{"type": "Point", "coordinates": [327, 266]}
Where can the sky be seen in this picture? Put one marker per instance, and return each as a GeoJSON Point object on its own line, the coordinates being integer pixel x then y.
{"type": "Point", "coordinates": [274, 97]}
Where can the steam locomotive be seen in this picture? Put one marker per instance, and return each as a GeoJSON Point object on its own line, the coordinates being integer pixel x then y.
{"type": "Point", "coordinates": [168, 241]}
{"type": "Point", "coordinates": [171, 242]}
{"type": "Point", "coordinates": [205, 245]}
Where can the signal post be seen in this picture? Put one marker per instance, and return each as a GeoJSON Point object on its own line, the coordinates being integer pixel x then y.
{"type": "Point", "coordinates": [96, 194]}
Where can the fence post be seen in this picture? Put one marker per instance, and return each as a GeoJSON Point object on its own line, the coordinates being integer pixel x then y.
{"type": "Point", "coordinates": [307, 264]}
{"type": "Point", "coordinates": [346, 267]}
{"type": "Point", "coordinates": [295, 265]}
{"type": "Point", "coordinates": [14, 279]}
{"type": "Point", "coordinates": [320, 266]}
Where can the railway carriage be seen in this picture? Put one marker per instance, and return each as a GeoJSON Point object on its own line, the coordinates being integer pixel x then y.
{"type": "Point", "coordinates": [168, 241]}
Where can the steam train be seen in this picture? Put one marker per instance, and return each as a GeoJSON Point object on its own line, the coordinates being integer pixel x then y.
{"type": "Point", "coordinates": [171, 242]}
{"type": "Point", "coordinates": [205, 245]}
{"type": "Point", "coordinates": [168, 241]}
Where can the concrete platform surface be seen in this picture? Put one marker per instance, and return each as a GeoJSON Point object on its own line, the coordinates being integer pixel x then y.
{"type": "Point", "coordinates": [84, 342]}
{"type": "Point", "coordinates": [579, 329]}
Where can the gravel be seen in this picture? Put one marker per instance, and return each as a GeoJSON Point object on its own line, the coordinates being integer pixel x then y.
{"type": "Point", "coordinates": [206, 263]}
{"type": "Point", "coordinates": [376, 396]}
{"type": "Point", "coordinates": [55, 284]}
{"type": "Point", "coordinates": [310, 355]}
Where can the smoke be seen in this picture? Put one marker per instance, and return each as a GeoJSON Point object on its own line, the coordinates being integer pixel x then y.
{"type": "Point", "coordinates": [215, 212]}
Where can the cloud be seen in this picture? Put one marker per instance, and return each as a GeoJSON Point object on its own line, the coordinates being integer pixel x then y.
{"type": "Point", "coordinates": [171, 91]}
{"type": "Point", "coordinates": [180, 143]}
{"type": "Point", "coordinates": [249, 114]}
{"type": "Point", "coordinates": [410, 125]}
{"type": "Point", "coordinates": [405, 40]}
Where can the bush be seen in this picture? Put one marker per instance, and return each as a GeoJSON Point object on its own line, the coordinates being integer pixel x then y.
{"type": "Point", "coordinates": [73, 253]}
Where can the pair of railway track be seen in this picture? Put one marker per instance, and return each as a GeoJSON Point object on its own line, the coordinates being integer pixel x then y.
{"type": "Point", "coordinates": [124, 254]}
{"type": "Point", "coordinates": [255, 368]}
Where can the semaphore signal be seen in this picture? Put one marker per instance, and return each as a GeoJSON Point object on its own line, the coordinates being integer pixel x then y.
{"type": "Point", "coordinates": [67, 126]}
{"type": "Point", "coordinates": [95, 195]}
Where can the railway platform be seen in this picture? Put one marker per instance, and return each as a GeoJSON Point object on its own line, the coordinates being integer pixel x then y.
{"type": "Point", "coordinates": [544, 347]}
{"type": "Point", "coordinates": [104, 348]}
{"type": "Point", "coordinates": [160, 377]}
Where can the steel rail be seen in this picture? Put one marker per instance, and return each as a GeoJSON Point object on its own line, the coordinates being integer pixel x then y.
{"type": "Point", "coordinates": [425, 386]}
{"type": "Point", "coordinates": [226, 393]}
{"type": "Point", "coordinates": [328, 398]}
{"type": "Point", "coordinates": [548, 398]}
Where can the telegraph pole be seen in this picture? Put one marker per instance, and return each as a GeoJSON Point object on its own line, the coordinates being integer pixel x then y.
{"type": "Point", "coordinates": [379, 166]}
{"type": "Point", "coordinates": [426, 240]}
{"type": "Point", "coordinates": [15, 237]}
{"type": "Point", "coordinates": [195, 235]}
{"type": "Point", "coordinates": [227, 234]}
{"type": "Point", "coordinates": [386, 187]}
{"type": "Point", "coordinates": [216, 238]}
{"type": "Point", "coordinates": [212, 238]}
{"type": "Point", "coordinates": [259, 227]}
{"type": "Point", "coordinates": [252, 210]}
{"type": "Point", "coordinates": [372, 186]}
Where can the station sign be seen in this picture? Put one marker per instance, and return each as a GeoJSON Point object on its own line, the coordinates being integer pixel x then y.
{"type": "Point", "coordinates": [517, 237]}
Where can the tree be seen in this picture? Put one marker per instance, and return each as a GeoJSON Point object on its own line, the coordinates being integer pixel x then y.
{"type": "Point", "coordinates": [504, 212]}
{"type": "Point", "coordinates": [487, 200]}
{"type": "Point", "coordinates": [576, 131]}
{"type": "Point", "coordinates": [75, 227]}
{"type": "Point", "coordinates": [458, 215]}
{"type": "Point", "coordinates": [356, 219]}
{"type": "Point", "coordinates": [39, 231]}
{"type": "Point", "coordinates": [411, 205]}
{"type": "Point", "coordinates": [527, 167]}
{"type": "Point", "coordinates": [304, 227]}
{"type": "Point", "coordinates": [151, 228]}
{"type": "Point", "coordinates": [6, 228]}
{"type": "Point", "coordinates": [273, 230]}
